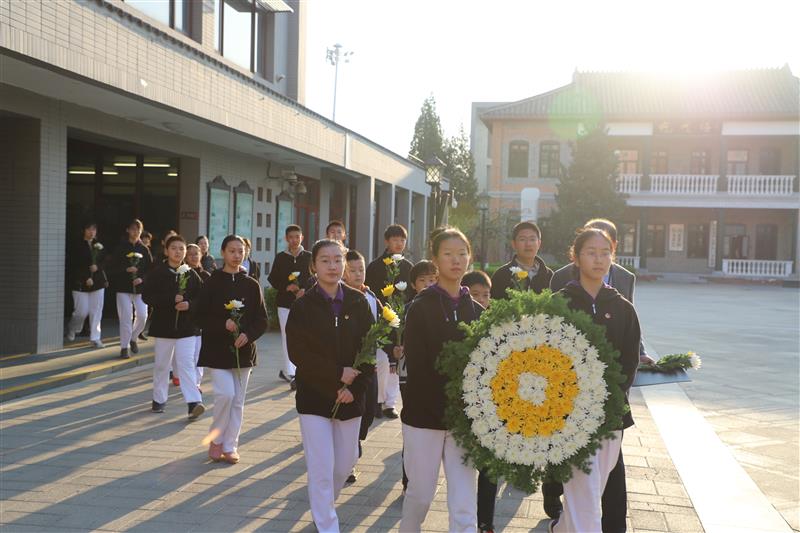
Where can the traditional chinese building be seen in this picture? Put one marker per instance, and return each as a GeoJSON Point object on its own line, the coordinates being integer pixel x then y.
{"type": "Point", "coordinates": [708, 165]}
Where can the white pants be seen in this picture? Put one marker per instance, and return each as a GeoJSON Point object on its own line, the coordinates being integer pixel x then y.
{"type": "Point", "coordinates": [198, 342]}
{"type": "Point", "coordinates": [230, 387]}
{"type": "Point", "coordinates": [87, 304]}
{"type": "Point", "coordinates": [283, 315]}
{"type": "Point", "coordinates": [331, 450]}
{"type": "Point", "coordinates": [424, 451]}
{"type": "Point", "coordinates": [183, 352]}
{"type": "Point", "coordinates": [583, 492]}
{"type": "Point", "coordinates": [388, 383]}
{"type": "Point", "coordinates": [129, 329]}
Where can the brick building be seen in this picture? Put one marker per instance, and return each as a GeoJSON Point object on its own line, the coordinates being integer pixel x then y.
{"type": "Point", "coordinates": [186, 113]}
{"type": "Point", "coordinates": [709, 165]}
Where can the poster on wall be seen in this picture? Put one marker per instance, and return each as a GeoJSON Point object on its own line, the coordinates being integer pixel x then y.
{"type": "Point", "coordinates": [219, 195]}
{"type": "Point", "coordinates": [243, 211]}
{"type": "Point", "coordinates": [284, 218]}
{"type": "Point", "coordinates": [676, 237]}
{"type": "Point", "coordinates": [712, 245]}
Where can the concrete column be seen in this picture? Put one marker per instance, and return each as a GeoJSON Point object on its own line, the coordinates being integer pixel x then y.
{"type": "Point", "coordinates": [324, 205]}
{"type": "Point", "coordinates": [720, 239]}
{"type": "Point", "coordinates": [402, 214]}
{"type": "Point", "coordinates": [796, 244]}
{"type": "Point", "coordinates": [364, 216]}
{"type": "Point", "coordinates": [189, 200]}
{"type": "Point", "coordinates": [643, 238]}
{"type": "Point", "coordinates": [419, 230]}
{"type": "Point", "coordinates": [386, 210]}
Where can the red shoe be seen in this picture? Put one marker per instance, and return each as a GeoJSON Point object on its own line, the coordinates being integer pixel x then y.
{"type": "Point", "coordinates": [230, 457]}
{"type": "Point", "coordinates": [215, 452]}
{"type": "Point", "coordinates": [176, 382]}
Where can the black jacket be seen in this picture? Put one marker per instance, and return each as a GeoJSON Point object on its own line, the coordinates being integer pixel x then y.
{"type": "Point", "coordinates": [376, 278]}
{"type": "Point", "coordinates": [160, 288]}
{"type": "Point", "coordinates": [204, 274]}
{"type": "Point", "coordinates": [80, 259]}
{"type": "Point", "coordinates": [217, 350]}
{"type": "Point", "coordinates": [430, 322]}
{"type": "Point", "coordinates": [208, 263]}
{"type": "Point", "coordinates": [122, 281]}
{"type": "Point", "coordinates": [320, 345]}
{"type": "Point", "coordinates": [255, 270]}
{"type": "Point", "coordinates": [502, 279]}
{"type": "Point", "coordinates": [612, 310]}
{"type": "Point", "coordinates": [284, 264]}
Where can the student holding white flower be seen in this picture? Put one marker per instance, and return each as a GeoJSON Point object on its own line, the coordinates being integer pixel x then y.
{"type": "Point", "coordinates": [230, 311]}
{"type": "Point", "coordinates": [171, 289]}
{"type": "Point", "coordinates": [88, 283]}
{"type": "Point", "coordinates": [377, 279]}
{"type": "Point", "coordinates": [131, 262]}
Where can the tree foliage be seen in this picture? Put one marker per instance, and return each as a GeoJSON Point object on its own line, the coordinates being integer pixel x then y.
{"type": "Point", "coordinates": [428, 138]}
{"type": "Point", "coordinates": [587, 190]}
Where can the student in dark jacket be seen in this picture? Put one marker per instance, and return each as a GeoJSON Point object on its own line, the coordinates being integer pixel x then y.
{"type": "Point", "coordinates": [250, 266]}
{"type": "Point", "coordinates": [171, 290]}
{"type": "Point", "coordinates": [207, 260]}
{"type": "Point", "coordinates": [130, 263]}
{"type": "Point", "coordinates": [526, 239]}
{"type": "Point", "coordinates": [432, 320]}
{"type": "Point", "coordinates": [395, 237]}
{"type": "Point", "coordinates": [324, 333]}
{"type": "Point", "coordinates": [290, 276]}
{"type": "Point", "coordinates": [593, 252]}
{"type": "Point", "coordinates": [194, 259]}
{"type": "Point", "coordinates": [229, 349]}
{"type": "Point", "coordinates": [88, 282]}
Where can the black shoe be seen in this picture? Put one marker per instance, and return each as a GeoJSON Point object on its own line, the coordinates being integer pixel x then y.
{"type": "Point", "coordinates": [551, 525]}
{"type": "Point", "coordinates": [293, 384]}
{"type": "Point", "coordinates": [123, 353]}
{"type": "Point", "coordinates": [378, 411]}
{"type": "Point", "coordinates": [158, 407]}
{"type": "Point", "coordinates": [390, 412]}
{"type": "Point", "coordinates": [142, 337]}
{"type": "Point", "coordinates": [195, 410]}
{"type": "Point", "coordinates": [553, 506]}
{"type": "Point", "coordinates": [134, 347]}
{"type": "Point", "coordinates": [353, 476]}
{"type": "Point", "coordinates": [284, 377]}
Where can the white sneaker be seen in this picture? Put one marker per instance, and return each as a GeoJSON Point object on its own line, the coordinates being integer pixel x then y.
{"type": "Point", "coordinates": [98, 344]}
{"type": "Point", "coordinates": [70, 336]}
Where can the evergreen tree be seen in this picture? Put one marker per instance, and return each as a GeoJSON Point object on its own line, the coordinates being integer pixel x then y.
{"type": "Point", "coordinates": [586, 190]}
{"type": "Point", "coordinates": [461, 169]}
{"type": "Point", "coordinates": [427, 139]}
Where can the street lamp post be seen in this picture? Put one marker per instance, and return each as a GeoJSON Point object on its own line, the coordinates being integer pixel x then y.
{"type": "Point", "coordinates": [434, 169]}
{"type": "Point", "coordinates": [335, 55]}
{"type": "Point", "coordinates": [483, 205]}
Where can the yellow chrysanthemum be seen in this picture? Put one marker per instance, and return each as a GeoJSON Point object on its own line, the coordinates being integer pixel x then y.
{"type": "Point", "coordinates": [387, 261]}
{"type": "Point", "coordinates": [229, 306]}
{"type": "Point", "coordinates": [388, 315]}
{"type": "Point", "coordinates": [387, 291]}
{"type": "Point", "coordinates": [524, 416]}
{"type": "Point", "coordinates": [522, 274]}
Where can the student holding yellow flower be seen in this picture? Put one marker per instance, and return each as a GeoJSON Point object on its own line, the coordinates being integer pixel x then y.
{"type": "Point", "coordinates": [526, 270]}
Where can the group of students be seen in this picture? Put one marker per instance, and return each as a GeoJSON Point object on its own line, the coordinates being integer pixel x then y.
{"type": "Point", "coordinates": [327, 309]}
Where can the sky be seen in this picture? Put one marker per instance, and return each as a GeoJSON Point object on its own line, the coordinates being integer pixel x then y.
{"type": "Point", "coordinates": [463, 51]}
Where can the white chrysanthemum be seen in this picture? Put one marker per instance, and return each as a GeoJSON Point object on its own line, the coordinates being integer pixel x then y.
{"type": "Point", "coordinates": [540, 321]}
{"type": "Point", "coordinates": [532, 388]}
{"type": "Point", "coordinates": [695, 361]}
{"type": "Point", "coordinates": [401, 286]}
{"type": "Point", "coordinates": [183, 269]}
{"type": "Point", "coordinates": [480, 428]}
{"type": "Point", "coordinates": [471, 398]}
{"type": "Point", "coordinates": [397, 257]}
{"type": "Point", "coordinates": [472, 371]}
{"type": "Point", "coordinates": [474, 412]}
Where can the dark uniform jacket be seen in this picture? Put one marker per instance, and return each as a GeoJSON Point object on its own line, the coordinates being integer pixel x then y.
{"type": "Point", "coordinates": [376, 275]}
{"type": "Point", "coordinates": [160, 289]}
{"type": "Point", "coordinates": [431, 320]}
{"type": "Point", "coordinates": [122, 281]}
{"type": "Point", "coordinates": [503, 279]}
{"type": "Point", "coordinates": [611, 310]}
{"type": "Point", "coordinates": [321, 345]}
{"type": "Point", "coordinates": [284, 264]}
{"type": "Point", "coordinates": [80, 259]}
{"type": "Point", "coordinates": [217, 349]}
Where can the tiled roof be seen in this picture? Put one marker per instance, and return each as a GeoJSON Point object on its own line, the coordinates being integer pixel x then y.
{"type": "Point", "coordinates": [765, 93]}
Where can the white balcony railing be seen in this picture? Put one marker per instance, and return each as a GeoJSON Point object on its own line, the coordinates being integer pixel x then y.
{"type": "Point", "coordinates": [757, 268]}
{"type": "Point", "coordinates": [761, 185]}
{"type": "Point", "coordinates": [629, 183]}
{"type": "Point", "coordinates": [683, 184]}
{"type": "Point", "coordinates": [629, 261]}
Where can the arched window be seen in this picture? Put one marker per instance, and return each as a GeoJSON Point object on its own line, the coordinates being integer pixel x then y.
{"type": "Point", "coordinates": [518, 159]}
{"type": "Point", "coordinates": [549, 159]}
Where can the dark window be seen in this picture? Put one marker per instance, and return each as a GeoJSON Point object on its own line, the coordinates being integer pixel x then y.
{"type": "Point", "coordinates": [174, 13]}
{"type": "Point", "coordinates": [549, 159]}
{"type": "Point", "coordinates": [735, 244]}
{"type": "Point", "coordinates": [518, 159]}
{"type": "Point", "coordinates": [769, 162]}
{"type": "Point", "coordinates": [266, 267]}
{"type": "Point", "coordinates": [258, 244]}
{"type": "Point", "coordinates": [697, 241]}
{"type": "Point", "coordinates": [628, 161]}
{"type": "Point", "coordinates": [656, 240]}
{"type": "Point", "coordinates": [244, 34]}
{"type": "Point", "coordinates": [259, 219]}
{"type": "Point", "coordinates": [737, 162]}
{"type": "Point", "coordinates": [267, 244]}
{"type": "Point", "coordinates": [767, 242]}
{"type": "Point", "coordinates": [698, 164]}
{"type": "Point", "coordinates": [627, 241]}
{"type": "Point", "coordinates": [658, 162]}
{"type": "Point", "coordinates": [269, 220]}
{"type": "Point", "coordinates": [260, 194]}
{"type": "Point", "coordinates": [269, 199]}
